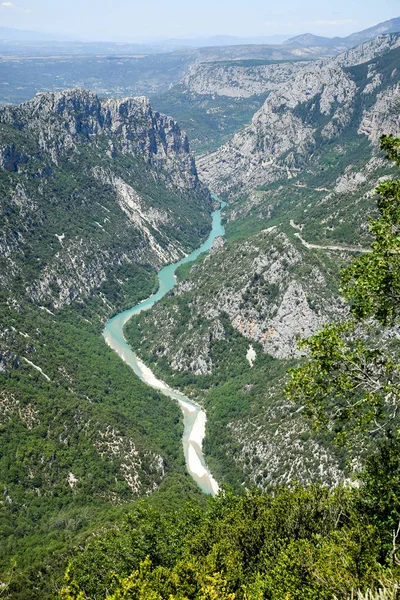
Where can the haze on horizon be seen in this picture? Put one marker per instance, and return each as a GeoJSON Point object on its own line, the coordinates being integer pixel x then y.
{"type": "Point", "coordinates": [122, 20]}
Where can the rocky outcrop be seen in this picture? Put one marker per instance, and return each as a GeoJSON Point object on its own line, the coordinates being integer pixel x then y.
{"type": "Point", "coordinates": [323, 101]}
{"type": "Point", "coordinates": [288, 451]}
{"type": "Point", "coordinates": [383, 116]}
{"type": "Point", "coordinates": [62, 121]}
{"type": "Point", "coordinates": [239, 81]}
{"type": "Point", "coordinates": [98, 184]}
{"type": "Point", "coordinates": [280, 140]}
{"type": "Point", "coordinates": [256, 284]}
{"type": "Point", "coordinates": [367, 51]}
{"type": "Point", "coordinates": [11, 158]}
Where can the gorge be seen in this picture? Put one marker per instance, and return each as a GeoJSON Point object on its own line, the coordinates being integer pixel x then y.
{"type": "Point", "coordinates": [193, 415]}
{"type": "Point", "coordinates": [148, 438]}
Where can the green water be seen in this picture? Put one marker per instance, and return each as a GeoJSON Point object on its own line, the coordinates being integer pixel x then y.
{"type": "Point", "coordinates": [193, 416]}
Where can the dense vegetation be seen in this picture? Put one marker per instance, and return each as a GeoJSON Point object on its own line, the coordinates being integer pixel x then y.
{"type": "Point", "coordinates": [81, 436]}
{"type": "Point", "coordinates": [299, 544]}
{"type": "Point", "coordinates": [353, 376]}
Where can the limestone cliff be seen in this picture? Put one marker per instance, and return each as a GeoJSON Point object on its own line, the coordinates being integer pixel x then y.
{"type": "Point", "coordinates": [323, 101]}
{"type": "Point", "coordinates": [61, 121]}
{"type": "Point", "coordinates": [64, 157]}
{"type": "Point", "coordinates": [239, 80]}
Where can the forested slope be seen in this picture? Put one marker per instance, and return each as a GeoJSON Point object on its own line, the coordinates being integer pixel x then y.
{"type": "Point", "coordinates": [95, 196]}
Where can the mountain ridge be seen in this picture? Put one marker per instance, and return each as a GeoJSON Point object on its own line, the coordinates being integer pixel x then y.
{"type": "Point", "coordinates": [317, 108]}
{"type": "Point", "coordinates": [349, 41]}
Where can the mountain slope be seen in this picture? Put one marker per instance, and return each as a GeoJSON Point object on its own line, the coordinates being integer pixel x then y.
{"type": "Point", "coordinates": [354, 39]}
{"type": "Point", "coordinates": [327, 102]}
{"type": "Point", "coordinates": [95, 196]}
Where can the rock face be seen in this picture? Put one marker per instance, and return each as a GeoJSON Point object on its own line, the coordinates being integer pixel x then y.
{"type": "Point", "coordinates": [61, 121]}
{"type": "Point", "coordinates": [384, 115]}
{"type": "Point", "coordinates": [239, 81]}
{"type": "Point", "coordinates": [324, 100]}
{"type": "Point", "coordinates": [71, 153]}
{"type": "Point", "coordinates": [256, 284]}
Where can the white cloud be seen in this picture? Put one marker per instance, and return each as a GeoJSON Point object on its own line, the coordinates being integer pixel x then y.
{"type": "Point", "coordinates": [11, 6]}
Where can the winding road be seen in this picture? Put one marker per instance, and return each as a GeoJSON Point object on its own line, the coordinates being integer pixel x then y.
{"type": "Point", "coordinates": [318, 247]}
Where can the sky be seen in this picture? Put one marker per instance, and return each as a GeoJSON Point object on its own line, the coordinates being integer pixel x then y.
{"type": "Point", "coordinates": [140, 20]}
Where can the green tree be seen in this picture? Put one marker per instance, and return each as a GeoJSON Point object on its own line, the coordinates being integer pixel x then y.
{"type": "Point", "coordinates": [372, 282]}
{"type": "Point", "coordinates": [352, 380]}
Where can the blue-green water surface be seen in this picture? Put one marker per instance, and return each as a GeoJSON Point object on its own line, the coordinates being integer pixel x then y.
{"type": "Point", "coordinates": [193, 415]}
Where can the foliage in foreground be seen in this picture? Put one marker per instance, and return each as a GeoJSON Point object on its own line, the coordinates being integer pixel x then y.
{"type": "Point", "coordinates": [352, 380]}
{"type": "Point", "coordinates": [300, 543]}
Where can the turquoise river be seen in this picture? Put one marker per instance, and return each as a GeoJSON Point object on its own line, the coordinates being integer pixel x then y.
{"type": "Point", "coordinates": [194, 417]}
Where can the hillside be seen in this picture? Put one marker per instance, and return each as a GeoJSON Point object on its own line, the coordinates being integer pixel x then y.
{"type": "Point", "coordinates": [299, 183]}
{"type": "Point", "coordinates": [95, 196]}
{"type": "Point", "coordinates": [327, 102]}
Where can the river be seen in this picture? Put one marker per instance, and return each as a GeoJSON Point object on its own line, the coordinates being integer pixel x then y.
{"type": "Point", "coordinates": [194, 418]}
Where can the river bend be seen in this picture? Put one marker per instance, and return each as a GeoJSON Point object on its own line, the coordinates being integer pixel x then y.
{"type": "Point", "coordinates": [194, 418]}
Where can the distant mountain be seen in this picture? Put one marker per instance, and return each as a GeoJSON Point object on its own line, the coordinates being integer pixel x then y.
{"type": "Point", "coordinates": [18, 41]}
{"type": "Point", "coordinates": [308, 39]}
{"type": "Point", "coordinates": [222, 47]}
{"type": "Point", "coordinates": [224, 40]}
{"type": "Point", "coordinates": [326, 100]}
{"type": "Point", "coordinates": [7, 34]}
{"type": "Point", "coordinates": [391, 26]}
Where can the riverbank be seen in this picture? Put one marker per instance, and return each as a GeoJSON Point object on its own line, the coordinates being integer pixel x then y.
{"type": "Point", "coordinates": [194, 417]}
